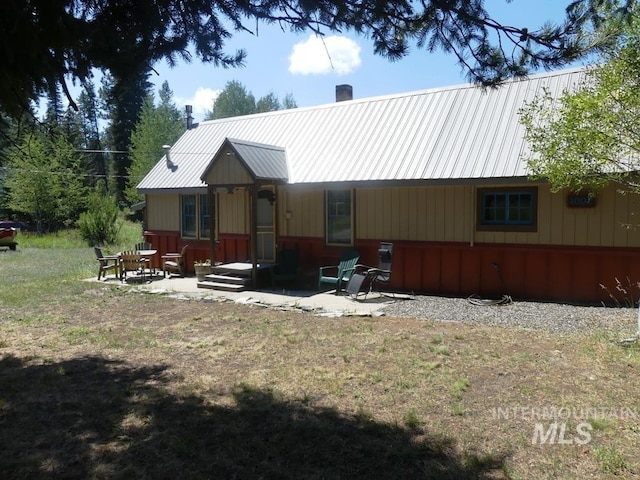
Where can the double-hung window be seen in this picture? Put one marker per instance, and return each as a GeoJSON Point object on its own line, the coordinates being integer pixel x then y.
{"type": "Point", "coordinates": [339, 217]}
{"type": "Point", "coordinates": [195, 216]}
{"type": "Point", "coordinates": [507, 209]}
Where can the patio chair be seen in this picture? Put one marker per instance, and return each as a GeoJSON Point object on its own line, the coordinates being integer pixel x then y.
{"type": "Point", "coordinates": [107, 263]}
{"type": "Point", "coordinates": [143, 246]}
{"type": "Point", "coordinates": [174, 262]}
{"type": "Point", "coordinates": [365, 278]}
{"type": "Point", "coordinates": [131, 261]}
{"type": "Point", "coordinates": [343, 270]}
{"type": "Point", "coordinates": [286, 269]}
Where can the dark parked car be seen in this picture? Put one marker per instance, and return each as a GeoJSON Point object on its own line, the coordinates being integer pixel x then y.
{"type": "Point", "coordinates": [22, 226]}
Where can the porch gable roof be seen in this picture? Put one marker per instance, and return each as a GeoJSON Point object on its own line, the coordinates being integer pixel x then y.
{"type": "Point", "coordinates": [264, 163]}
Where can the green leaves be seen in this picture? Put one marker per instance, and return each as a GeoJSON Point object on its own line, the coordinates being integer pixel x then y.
{"type": "Point", "coordinates": [591, 136]}
{"type": "Point", "coordinates": [43, 181]}
{"type": "Point", "coordinates": [235, 101]}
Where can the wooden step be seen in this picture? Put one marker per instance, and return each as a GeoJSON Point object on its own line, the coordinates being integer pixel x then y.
{"type": "Point", "coordinates": [231, 279]}
{"type": "Point", "coordinates": [227, 287]}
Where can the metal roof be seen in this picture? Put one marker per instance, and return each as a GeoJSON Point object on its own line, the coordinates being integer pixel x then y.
{"type": "Point", "coordinates": [444, 134]}
{"type": "Point", "coordinates": [263, 161]}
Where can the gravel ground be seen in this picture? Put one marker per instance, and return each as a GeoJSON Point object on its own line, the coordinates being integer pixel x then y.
{"type": "Point", "coordinates": [551, 317]}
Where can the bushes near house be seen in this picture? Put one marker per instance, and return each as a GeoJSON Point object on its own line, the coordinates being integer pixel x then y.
{"type": "Point", "coordinates": [101, 223]}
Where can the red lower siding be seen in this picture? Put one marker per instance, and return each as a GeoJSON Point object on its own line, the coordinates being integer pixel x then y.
{"type": "Point", "coordinates": [567, 274]}
{"type": "Point", "coordinates": [167, 241]}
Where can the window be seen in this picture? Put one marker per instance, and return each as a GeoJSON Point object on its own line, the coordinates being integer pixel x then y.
{"type": "Point", "coordinates": [339, 219]}
{"type": "Point", "coordinates": [507, 209]}
{"type": "Point", "coordinates": [205, 217]}
{"type": "Point", "coordinates": [195, 216]}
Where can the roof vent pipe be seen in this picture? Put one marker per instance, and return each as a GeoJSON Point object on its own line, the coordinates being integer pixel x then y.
{"type": "Point", "coordinates": [189, 110]}
{"type": "Point", "coordinates": [167, 154]}
{"type": "Point", "coordinates": [344, 92]}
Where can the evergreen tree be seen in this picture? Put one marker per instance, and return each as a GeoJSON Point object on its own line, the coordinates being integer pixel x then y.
{"type": "Point", "coordinates": [94, 161]}
{"type": "Point", "coordinates": [71, 37]}
{"type": "Point", "coordinates": [159, 125]}
{"type": "Point", "coordinates": [122, 97]}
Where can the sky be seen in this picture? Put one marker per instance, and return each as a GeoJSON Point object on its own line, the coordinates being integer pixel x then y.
{"type": "Point", "coordinates": [309, 68]}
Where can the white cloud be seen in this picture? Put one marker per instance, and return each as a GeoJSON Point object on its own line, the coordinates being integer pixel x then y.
{"type": "Point", "coordinates": [202, 101]}
{"type": "Point", "coordinates": [321, 55]}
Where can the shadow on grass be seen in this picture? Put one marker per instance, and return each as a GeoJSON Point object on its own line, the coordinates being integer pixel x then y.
{"type": "Point", "coordinates": [97, 418]}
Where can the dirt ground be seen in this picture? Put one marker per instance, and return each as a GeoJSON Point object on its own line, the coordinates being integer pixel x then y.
{"type": "Point", "coordinates": [112, 384]}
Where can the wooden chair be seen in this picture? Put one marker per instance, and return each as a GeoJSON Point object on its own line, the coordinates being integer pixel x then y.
{"type": "Point", "coordinates": [140, 246]}
{"type": "Point", "coordinates": [107, 263]}
{"type": "Point", "coordinates": [344, 270]}
{"type": "Point", "coordinates": [131, 261]}
{"type": "Point", "coordinates": [174, 262]}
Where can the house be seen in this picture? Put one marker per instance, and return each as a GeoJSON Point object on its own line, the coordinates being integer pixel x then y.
{"type": "Point", "coordinates": [440, 173]}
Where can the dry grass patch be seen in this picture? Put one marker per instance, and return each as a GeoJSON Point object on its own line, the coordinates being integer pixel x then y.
{"type": "Point", "coordinates": [105, 385]}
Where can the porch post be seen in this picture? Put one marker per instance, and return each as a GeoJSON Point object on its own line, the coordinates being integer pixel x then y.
{"type": "Point", "coordinates": [211, 199]}
{"type": "Point", "coordinates": [253, 241]}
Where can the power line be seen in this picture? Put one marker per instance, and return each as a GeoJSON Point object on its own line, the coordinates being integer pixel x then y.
{"type": "Point", "coordinates": [67, 174]}
{"type": "Point", "coordinates": [86, 150]}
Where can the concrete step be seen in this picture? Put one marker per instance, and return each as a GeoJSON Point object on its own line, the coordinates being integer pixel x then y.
{"type": "Point", "coordinates": [227, 287]}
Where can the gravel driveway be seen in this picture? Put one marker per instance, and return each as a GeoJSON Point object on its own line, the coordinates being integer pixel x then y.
{"type": "Point", "coordinates": [551, 317]}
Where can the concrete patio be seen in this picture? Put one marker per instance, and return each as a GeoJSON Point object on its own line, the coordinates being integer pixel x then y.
{"type": "Point", "coordinates": [322, 303]}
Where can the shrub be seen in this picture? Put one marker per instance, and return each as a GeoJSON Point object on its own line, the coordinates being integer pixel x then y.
{"type": "Point", "coordinates": [100, 224]}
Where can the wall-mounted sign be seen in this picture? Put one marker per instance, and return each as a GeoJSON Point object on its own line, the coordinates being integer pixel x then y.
{"type": "Point", "coordinates": [581, 200]}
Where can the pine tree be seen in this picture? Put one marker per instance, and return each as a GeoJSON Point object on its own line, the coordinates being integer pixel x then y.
{"type": "Point", "coordinates": [158, 125]}
{"type": "Point", "coordinates": [122, 99]}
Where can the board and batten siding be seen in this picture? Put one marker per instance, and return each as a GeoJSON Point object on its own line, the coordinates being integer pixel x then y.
{"type": "Point", "coordinates": [233, 212]}
{"type": "Point", "coordinates": [429, 214]}
{"type": "Point", "coordinates": [605, 225]}
{"type": "Point", "coordinates": [434, 214]}
{"type": "Point", "coordinates": [301, 214]}
{"type": "Point", "coordinates": [163, 212]}
{"type": "Point", "coordinates": [228, 171]}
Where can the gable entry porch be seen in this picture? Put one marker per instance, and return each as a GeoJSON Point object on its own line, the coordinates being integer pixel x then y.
{"type": "Point", "coordinates": [245, 176]}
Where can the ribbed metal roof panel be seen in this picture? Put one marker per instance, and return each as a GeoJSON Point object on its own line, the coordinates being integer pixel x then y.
{"type": "Point", "coordinates": [265, 161]}
{"type": "Point", "coordinates": [460, 132]}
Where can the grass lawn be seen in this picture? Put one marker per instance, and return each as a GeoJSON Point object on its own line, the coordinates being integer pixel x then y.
{"type": "Point", "coordinates": [98, 382]}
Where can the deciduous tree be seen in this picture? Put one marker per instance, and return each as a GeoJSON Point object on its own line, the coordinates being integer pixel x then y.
{"type": "Point", "coordinates": [589, 137]}
{"type": "Point", "coordinates": [235, 100]}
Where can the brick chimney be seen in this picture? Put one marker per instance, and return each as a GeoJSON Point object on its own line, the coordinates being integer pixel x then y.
{"type": "Point", "coordinates": [344, 92]}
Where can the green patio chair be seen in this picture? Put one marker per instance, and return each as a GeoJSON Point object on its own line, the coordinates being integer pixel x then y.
{"type": "Point", "coordinates": [343, 271]}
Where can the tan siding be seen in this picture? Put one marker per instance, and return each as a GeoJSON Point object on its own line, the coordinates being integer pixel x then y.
{"type": "Point", "coordinates": [228, 171]}
{"type": "Point", "coordinates": [414, 213]}
{"type": "Point", "coordinates": [307, 213]}
{"type": "Point", "coordinates": [232, 212]}
{"type": "Point", "coordinates": [601, 226]}
{"type": "Point", "coordinates": [163, 212]}
{"type": "Point", "coordinates": [444, 213]}
{"type": "Point", "coordinates": [606, 201]}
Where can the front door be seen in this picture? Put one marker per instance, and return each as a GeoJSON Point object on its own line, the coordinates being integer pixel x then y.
{"type": "Point", "coordinates": [265, 219]}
